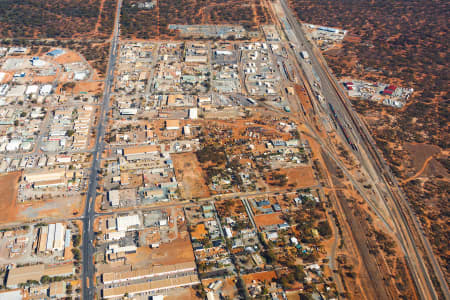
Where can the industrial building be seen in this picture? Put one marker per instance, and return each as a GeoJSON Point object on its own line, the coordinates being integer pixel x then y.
{"type": "Point", "coordinates": [134, 152]}
{"type": "Point", "coordinates": [172, 124]}
{"type": "Point", "coordinates": [149, 272]}
{"type": "Point", "coordinates": [114, 198]}
{"type": "Point", "coordinates": [124, 223]}
{"type": "Point", "coordinates": [150, 287]}
{"type": "Point", "coordinates": [33, 176]}
{"type": "Point", "coordinates": [53, 238]}
{"type": "Point", "coordinates": [35, 272]}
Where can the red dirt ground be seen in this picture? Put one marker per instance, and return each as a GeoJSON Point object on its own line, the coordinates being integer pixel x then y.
{"type": "Point", "coordinates": [190, 174]}
{"type": "Point", "coordinates": [8, 195]}
{"type": "Point", "coordinates": [268, 219]}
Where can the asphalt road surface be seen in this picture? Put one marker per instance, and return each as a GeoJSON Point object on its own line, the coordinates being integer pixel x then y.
{"type": "Point", "coordinates": [88, 250]}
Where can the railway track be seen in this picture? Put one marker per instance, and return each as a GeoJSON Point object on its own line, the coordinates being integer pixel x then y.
{"type": "Point", "coordinates": [401, 210]}
{"type": "Point", "coordinates": [409, 231]}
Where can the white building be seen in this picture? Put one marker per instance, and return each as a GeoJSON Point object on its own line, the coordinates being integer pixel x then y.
{"type": "Point", "coordinates": [50, 236]}
{"type": "Point", "coordinates": [13, 145]}
{"type": "Point", "coordinates": [126, 222]}
{"type": "Point", "coordinates": [38, 63]}
{"type": "Point", "coordinates": [294, 241]}
{"type": "Point", "coordinates": [45, 90]}
{"type": "Point", "coordinates": [115, 235]}
{"type": "Point", "coordinates": [113, 197]}
{"type": "Point", "coordinates": [32, 89]}
{"type": "Point", "coordinates": [228, 232]}
{"type": "Point", "coordinates": [187, 130]}
{"type": "Point", "coordinates": [80, 76]}
{"type": "Point", "coordinates": [63, 158]}
{"type": "Point", "coordinates": [58, 243]}
{"type": "Point", "coordinates": [193, 113]}
{"type": "Point", "coordinates": [128, 111]}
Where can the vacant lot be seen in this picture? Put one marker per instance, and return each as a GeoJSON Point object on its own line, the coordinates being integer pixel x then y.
{"type": "Point", "coordinates": [11, 211]}
{"type": "Point", "coordinates": [177, 251]}
{"type": "Point", "coordinates": [268, 219]}
{"type": "Point", "coordinates": [8, 195]}
{"type": "Point", "coordinates": [189, 173]}
{"type": "Point", "coordinates": [228, 288]}
{"type": "Point", "coordinates": [62, 207]}
{"type": "Point", "coordinates": [301, 177]}
{"type": "Point", "coordinates": [260, 277]}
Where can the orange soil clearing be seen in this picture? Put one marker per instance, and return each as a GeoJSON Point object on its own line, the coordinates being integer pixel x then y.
{"type": "Point", "coordinates": [68, 57]}
{"type": "Point", "coordinates": [177, 251]}
{"type": "Point", "coordinates": [88, 87]}
{"type": "Point", "coordinates": [8, 195]}
{"type": "Point", "coordinates": [189, 172]}
{"type": "Point", "coordinates": [267, 276]}
{"type": "Point", "coordinates": [268, 219]}
{"type": "Point", "coordinates": [301, 177]}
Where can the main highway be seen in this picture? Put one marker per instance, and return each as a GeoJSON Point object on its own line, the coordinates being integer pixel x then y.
{"type": "Point", "coordinates": [390, 196]}
{"type": "Point", "coordinates": [88, 249]}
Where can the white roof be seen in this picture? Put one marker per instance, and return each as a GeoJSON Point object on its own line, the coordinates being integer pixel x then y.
{"type": "Point", "coordinates": [46, 89]}
{"type": "Point", "coordinates": [113, 197]}
{"type": "Point", "coordinates": [38, 63]}
{"type": "Point", "coordinates": [193, 113]}
{"type": "Point", "coordinates": [125, 222]}
{"type": "Point", "coordinates": [16, 91]}
{"type": "Point", "coordinates": [272, 235]}
{"type": "Point", "coordinates": [80, 76]}
{"type": "Point", "coordinates": [228, 232]}
{"type": "Point", "coordinates": [11, 295]}
{"type": "Point", "coordinates": [13, 145]}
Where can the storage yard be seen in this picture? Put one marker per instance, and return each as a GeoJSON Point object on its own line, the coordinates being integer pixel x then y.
{"type": "Point", "coordinates": [382, 93]}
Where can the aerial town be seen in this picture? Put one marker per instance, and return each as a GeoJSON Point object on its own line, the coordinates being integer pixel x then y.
{"type": "Point", "coordinates": [199, 156]}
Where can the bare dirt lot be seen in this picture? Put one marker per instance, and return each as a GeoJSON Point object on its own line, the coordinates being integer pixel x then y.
{"type": "Point", "coordinates": [261, 277]}
{"type": "Point", "coordinates": [88, 87]}
{"type": "Point", "coordinates": [268, 219]}
{"type": "Point", "coordinates": [190, 174]}
{"type": "Point", "coordinates": [182, 293]}
{"type": "Point", "coordinates": [8, 194]}
{"type": "Point", "coordinates": [68, 57]}
{"type": "Point", "coordinates": [228, 288]}
{"type": "Point", "coordinates": [301, 177]}
{"type": "Point", "coordinates": [61, 207]}
{"type": "Point", "coordinates": [177, 251]}
{"type": "Point", "coordinates": [11, 211]}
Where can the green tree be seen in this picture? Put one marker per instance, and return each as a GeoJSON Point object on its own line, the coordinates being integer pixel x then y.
{"type": "Point", "coordinates": [76, 240]}
{"type": "Point", "coordinates": [324, 229]}
{"type": "Point", "coordinates": [45, 279]}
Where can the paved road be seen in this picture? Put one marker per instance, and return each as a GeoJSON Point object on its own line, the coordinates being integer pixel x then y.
{"type": "Point", "coordinates": [385, 184]}
{"type": "Point", "coordinates": [88, 250]}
